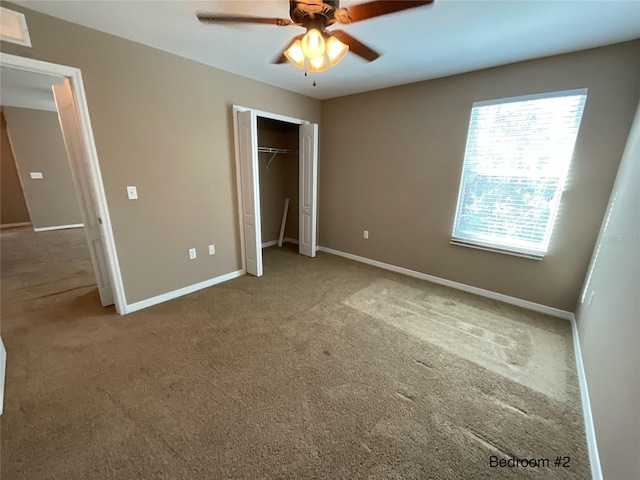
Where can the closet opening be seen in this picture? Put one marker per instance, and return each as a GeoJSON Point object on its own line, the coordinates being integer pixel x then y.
{"type": "Point", "coordinates": [276, 164]}
{"type": "Point", "coordinates": [278, 178]}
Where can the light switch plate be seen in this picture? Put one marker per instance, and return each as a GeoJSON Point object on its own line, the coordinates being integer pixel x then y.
{"type": "Point", "coordinates": [132, 193]}
{"type": "Point", "coordinates": [36, 175]}
{"type": "Point", "coordinates": [212, 249]}
{"type": "Point", "coordinates": [192, 253]}
{"type": "Point", "coordinates": [365, 234]}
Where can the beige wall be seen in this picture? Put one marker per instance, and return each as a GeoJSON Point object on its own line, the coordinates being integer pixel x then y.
{"type": "Point", "coordinates": [280, 181]}
{"type": "Point", "coordinates": [391, 163]}
{"type": "Point", "coordinates": [38, 146]}
{"type": "Point", "coordinates": [292, 229]}
{"type": "Point", "coordinates": [163, 124]}
{"type": "Point", "coordinates": [13, 208]}
{"type": "Point", "coordinates": [609, 328]}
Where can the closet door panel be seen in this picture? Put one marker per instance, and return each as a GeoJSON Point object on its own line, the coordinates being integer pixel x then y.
{"type": "Point", "coordinates": [248, 153]}
{"type": "Point", "coordinates": [308, 149]}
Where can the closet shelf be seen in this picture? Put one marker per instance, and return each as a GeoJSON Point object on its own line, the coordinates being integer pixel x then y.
{"type": "Point", "coordinates": [274, 151]}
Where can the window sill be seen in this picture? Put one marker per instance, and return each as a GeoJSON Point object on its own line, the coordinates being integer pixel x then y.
{"type": "Point", "coordinates": [479, 246]}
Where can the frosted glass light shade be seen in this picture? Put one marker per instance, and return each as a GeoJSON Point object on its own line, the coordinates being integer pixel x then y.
{"type": "Point", "coordinates": [336, 50]}
{"type": "Point", "coordinates": [295, 55]}
{"type": "Point", "coordinates": [313, 44]}
{"type": "Point", "coordinates": [318, 64]}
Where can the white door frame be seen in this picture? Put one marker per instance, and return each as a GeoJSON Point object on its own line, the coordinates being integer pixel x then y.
{"type": "Point", "coordinates": [90, 159]}
{"type": "Point", "coordinates": [263, 114]}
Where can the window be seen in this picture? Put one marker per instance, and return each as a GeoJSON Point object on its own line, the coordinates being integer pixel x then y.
{"type": "Point", "coordinates": [515, 165]}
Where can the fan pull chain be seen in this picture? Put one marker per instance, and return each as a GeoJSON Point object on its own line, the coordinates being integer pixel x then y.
{"type": "Point", "coordinates": [306, 75]}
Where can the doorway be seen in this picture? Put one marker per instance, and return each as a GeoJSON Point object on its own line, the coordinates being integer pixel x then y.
{"type": "Point", "coordinates": [248, 180]}
{"type": "Point", "coordinates": [73, 115]}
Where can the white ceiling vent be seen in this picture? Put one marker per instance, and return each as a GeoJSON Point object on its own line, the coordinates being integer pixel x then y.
{"type": "Point", "coordinates": [13, 27]}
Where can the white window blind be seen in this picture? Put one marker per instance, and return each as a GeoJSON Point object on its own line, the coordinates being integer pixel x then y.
{"type": "Point", "coordinates": [516, 162]}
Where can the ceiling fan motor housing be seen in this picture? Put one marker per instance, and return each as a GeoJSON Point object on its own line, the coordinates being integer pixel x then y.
{"type": "Point", "coordinates": [312, 11]}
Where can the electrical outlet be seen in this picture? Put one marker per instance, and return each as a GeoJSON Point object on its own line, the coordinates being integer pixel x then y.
{"type": "Point", "coordinates": [132, 193]}
{"type": "Point", "coordinates": [192, 253]}
{"type": "Point", "coordinates": [212, 249]}
{"type": "Point", "coordinates": [365, 234]}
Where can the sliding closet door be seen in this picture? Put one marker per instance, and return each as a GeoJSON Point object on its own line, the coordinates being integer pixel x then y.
{"type": "Point", "coordinates": [248, 154]}
{"type": "Point", "coordinates": [308, 188]}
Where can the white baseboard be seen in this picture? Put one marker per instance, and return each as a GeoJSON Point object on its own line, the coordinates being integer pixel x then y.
{"type": "Point", "coordinates": [12, 225]}
{"type": "Point", "coordinates": [589, 427]}
{"type": "Point", "coordinates": [275, 242]}
{"type": "Point", "coordinates": [3, 370]}
{"type": "Point", "coordinates": [59, 227]}
{"type": "Point", "coordinates": [536, 307]}
{"type": "Point", "coordinates": [134, 307]}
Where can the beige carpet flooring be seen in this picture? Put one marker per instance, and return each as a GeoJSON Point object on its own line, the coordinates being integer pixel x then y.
{"type": "Point", "coordinates": [323, 368]}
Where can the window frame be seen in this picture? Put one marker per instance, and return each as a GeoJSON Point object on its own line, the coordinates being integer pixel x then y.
{"type": "Point", "coordinates": [516, 251]}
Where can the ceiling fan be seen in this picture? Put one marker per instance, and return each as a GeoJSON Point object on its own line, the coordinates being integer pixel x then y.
{"type": "Point", "coordinates": [318, 44]}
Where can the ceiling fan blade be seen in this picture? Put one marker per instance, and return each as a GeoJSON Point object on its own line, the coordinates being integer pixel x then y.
{"type": "Point", "coordinates": [220, 18]}
{"type": "Point", "coordinates": [282, 58]}
{"type": "Point", "coordinates": [356, 46]}
{"type": "Point", "coordinates": [376, 8]}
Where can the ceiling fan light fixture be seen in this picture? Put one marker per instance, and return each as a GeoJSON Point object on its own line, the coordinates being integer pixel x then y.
{"type": "Point", "coordinates": [318, 47]}
{"type": "Point", "coordinates": [295, 54]}
{"type": "Point", "coordinates": [318, 64]}
{"type": "Point", "coordinates": [313, 45]}
{"type": "Point", "coordinates": [336, 50]}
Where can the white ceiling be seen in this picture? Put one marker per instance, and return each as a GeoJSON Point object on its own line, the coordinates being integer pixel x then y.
{"type": "Point", "coordinates": [26, 89]}
{"type": "Point", "coordinates": [446, 38]}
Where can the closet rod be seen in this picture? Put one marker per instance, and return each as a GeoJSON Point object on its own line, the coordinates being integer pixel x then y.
{"type": "Point", "coordinates": [274, 151]}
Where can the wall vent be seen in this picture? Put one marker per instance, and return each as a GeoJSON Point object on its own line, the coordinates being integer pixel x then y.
{"type": "Point", "coordinates": [13, 27]}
